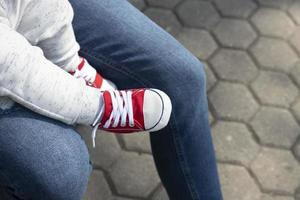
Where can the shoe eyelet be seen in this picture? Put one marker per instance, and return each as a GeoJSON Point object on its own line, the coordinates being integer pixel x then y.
{"type": "Point", "coordinates": [123, 125]}
{"type": "Point", "coordinates": [131, 125]}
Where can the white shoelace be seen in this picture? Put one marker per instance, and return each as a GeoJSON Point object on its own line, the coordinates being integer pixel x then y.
{"type": "Point", "coordinates": [121, 108]}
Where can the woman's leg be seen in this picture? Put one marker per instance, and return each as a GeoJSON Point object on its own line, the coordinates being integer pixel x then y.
{"type": "Point", "coordinates": [41, 158]}
{"type": "Point", "coordinates": [128, 48]}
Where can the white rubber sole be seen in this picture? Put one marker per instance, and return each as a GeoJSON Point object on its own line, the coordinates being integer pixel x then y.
{"type": "Point", "coordinates": [163, 115]}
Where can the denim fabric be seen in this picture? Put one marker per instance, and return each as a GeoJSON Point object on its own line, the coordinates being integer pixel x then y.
{"type": "Point", "coordinates": [40, 158]}
{"type": "Point", "coordinates": [132, 51]}
{"type": "Point", "coordinates": [37, 154]}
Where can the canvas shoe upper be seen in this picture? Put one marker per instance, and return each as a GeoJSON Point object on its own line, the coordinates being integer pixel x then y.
{"type": "Point", "coordinates": [135, 110]}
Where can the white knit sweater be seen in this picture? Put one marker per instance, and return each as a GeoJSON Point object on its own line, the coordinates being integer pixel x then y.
{"type": "Point", "coordinates": [38, 46]}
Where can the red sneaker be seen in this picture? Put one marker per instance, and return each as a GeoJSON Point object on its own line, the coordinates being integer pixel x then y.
{"type": "Point", "coordinates": [128, 111]}
{"type": "Point", "coordinates": [92, 78]}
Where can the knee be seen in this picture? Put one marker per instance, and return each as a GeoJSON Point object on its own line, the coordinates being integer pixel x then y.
{"type": "Point", "coordinates": [60, 172]}
{"type": "Point", "coordinates": [187, 76]}
{"type": "Point", "coordinates": [70, 170]}
{"type": "Point", "coordinates": [196, 74]}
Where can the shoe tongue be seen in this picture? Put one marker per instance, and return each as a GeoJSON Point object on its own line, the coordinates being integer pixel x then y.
{"type": "Point", "coordinates": [138, 106]}
{"type": "Point", "coordinates": [107, 106]}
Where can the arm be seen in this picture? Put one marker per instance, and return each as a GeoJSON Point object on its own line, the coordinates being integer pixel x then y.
{"type": "Point", "coordinates": [53, 32]}
{"type": "Point", "coordinates": [28, 78]}
{"type": "Point", "coordinates": [48, 25]}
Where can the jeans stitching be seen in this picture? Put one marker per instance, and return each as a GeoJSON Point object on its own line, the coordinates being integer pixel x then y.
{"type": "Point", "coordinates": [180, 151]}
{"type": "Point", "coordinates": [183, 162]}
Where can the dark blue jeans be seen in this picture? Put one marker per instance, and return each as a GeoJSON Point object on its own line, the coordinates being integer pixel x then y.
{"type": "Point", "coordinates": [128, 48]}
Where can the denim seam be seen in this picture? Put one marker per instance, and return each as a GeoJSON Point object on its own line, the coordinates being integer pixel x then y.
{"type": "Point", "coordinates": [185, 168]}
{"type": "Point", "coordinates": [182, 161]}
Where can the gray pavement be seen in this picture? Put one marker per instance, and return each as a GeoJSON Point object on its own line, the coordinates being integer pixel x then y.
{"type": "Point", "coordinates": [251, 52]}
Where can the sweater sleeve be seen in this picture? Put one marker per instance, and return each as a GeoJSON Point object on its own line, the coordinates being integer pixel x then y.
{"type": "Point", "coordinates": [52, 30]}
{"type": "Point", "coordinates": [29, 78]}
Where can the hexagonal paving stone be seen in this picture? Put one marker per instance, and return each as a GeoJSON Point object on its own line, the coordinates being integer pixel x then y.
{"type": "Point", "coordinates": [234, 65]}
{"type": "Point", "coordinates": [164, 3]}
{"type": "Point", "coordinates": [273, 23]}
{"type": "Point", "coordinates": [276, 127]}
{"type": "Point", "coordinates": [277, 170]}
{"type": "Point", "coordinates": [234, 143]}
{"type": "Point", "coordinates": [295, 72]}
{"type": "Point", "coordinates": [199, 42]}
{"type": "Point", "coordinates": [211, 118]}
{"type": "Point", "coordinates": [139, 4]}
{"type": "Point", "coordinates": [233, 101]}
{"type": "Point", "coordinates": [274, 54]}
{"type": "Point", "coordinates": [295, 39]}
{"type": "Point", "coordinates": [137, 142]}
{"type": "Point", "coordinates": [107, 148]}
{"type": "Point", "coordinates": [134, 175]}
{"type": "Point", "coordinates": [164, 18]}
{"type": "Point", "coordinates": [237, 184]}
{"type": "Point", "coordinates": [294, 11]}
{"type": "Point", "coordinates": [272, 197]}
{"type": "Point", "coordinates": [296, 150]}
{"type": "Point", "coordinates": [236, 8]}
{"type": "Point", "coordinates": [160, 195]}
{"type": "Point", "coordinates": [282, 4]}
{"type": "Point", "coordinates": [199, 14]}
{"type": "Point", "coordinates": [210, 77]}
{"type": "Point", "coordinates": [122, 198]}
{"type": "Point", "coordinates": [98, 188]}
{"type": "Point", "coordinates": [297, 194]}
{"type": "Point", "coordinates": [234, 33]}
{"type": "Point", "coordinates": [275, 88]}
{"type": "Point", "coordinates": [296, 109]}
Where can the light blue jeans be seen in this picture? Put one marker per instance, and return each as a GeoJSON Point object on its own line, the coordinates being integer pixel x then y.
{"type": "Point", "coordinates": [44, 159]}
